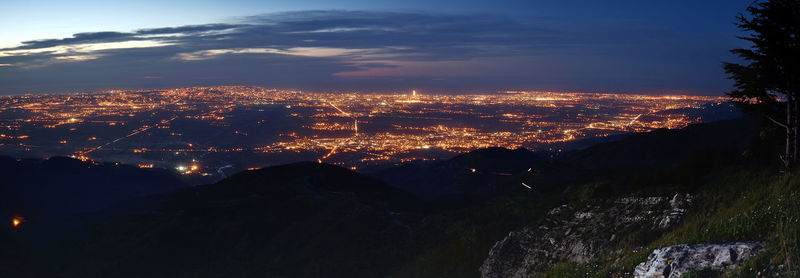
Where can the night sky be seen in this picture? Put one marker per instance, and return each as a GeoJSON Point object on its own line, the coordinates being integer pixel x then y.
{"type": "Point", "coordinates": [448, 46]}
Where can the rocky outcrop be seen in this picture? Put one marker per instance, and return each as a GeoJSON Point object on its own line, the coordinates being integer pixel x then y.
{"type": "Point", "coordinates": [674, 261]}
{"type": "Point", "coordinates": [575, 233]}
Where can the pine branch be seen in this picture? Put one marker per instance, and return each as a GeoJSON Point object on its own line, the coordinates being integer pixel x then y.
{"type": "Point", "coordinates": [777, 122]}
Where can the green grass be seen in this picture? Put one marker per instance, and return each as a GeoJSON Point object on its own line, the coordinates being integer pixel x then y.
{"type": "Point", "coordinates": [732, 206]}
{"type": "Point", "coordinates": [455, 243]}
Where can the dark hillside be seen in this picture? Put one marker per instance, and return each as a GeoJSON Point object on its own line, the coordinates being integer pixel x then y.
{"type": "Point", "coordinates": [61, 186]}
{"type": "Point", "coordinates": [479, 174]}
{"type": "Point", "coordinates": [311, 219]}
{"type": "Point", "coordinates": [303, 219]}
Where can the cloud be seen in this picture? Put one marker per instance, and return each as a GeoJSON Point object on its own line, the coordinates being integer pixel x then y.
{"type": "Point", "coordinates": [105, 37]}
{"type": "Point", "coordinates": [319, 49]}
{"type": "Point", "coordinates": [69, 49]}
{"type": "Point", "coordinates": [294, 51]}
{"type": "Point", "coordinates": [405, 36]}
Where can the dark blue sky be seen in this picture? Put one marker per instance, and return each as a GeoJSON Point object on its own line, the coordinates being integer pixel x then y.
{"type": "Point", "coordinates": [449, 46]}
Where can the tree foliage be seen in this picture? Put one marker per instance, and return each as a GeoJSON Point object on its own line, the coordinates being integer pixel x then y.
{"type": "Point", "coordinates": [769, 81]}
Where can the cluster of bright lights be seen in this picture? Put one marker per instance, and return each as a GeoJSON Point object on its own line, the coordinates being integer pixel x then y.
{"type": "Point", "coordinates": [378, 127]}
{"type": "Point", "coordinates": [17, 221]}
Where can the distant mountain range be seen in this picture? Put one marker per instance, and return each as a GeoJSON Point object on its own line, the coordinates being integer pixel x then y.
{"type": "Point", "coordinates": [60, 186]}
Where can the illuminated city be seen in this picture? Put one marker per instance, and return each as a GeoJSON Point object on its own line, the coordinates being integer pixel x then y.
{"type": "Point", "coordinates": [206, 130]}
{"type": "Point", "coordinates": [420, 139]}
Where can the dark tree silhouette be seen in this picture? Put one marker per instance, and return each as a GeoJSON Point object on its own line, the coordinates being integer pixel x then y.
{"type": "Point", "coordinates": [770, 82]}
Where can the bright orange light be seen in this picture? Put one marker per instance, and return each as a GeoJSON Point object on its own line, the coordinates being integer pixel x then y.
{"type": "Point", "coordinates": [16, 221]}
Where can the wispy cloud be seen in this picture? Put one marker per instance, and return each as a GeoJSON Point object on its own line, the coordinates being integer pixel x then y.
{"type": "Point", "coordinates": [354, 36]}
{"type": "Point", "coordinates": [70, 49]}
{"type": "Point", "coordinates": [331, 48]}
{"type": "Point", "coordinates": [294, 51]}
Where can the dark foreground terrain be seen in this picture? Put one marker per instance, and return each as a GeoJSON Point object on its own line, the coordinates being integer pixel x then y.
{"type": "Point", "coordinates": [609, 210]}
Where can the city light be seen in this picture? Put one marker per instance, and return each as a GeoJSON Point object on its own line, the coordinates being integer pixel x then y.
{"type": "Point", "coordinates": [159, 128]}
{"type": "Point", "coordinates": [16, 221]}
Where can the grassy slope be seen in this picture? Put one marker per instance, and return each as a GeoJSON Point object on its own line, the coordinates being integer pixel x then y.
{"type": "Point", "coordinates": [735, 205]}
{"type": "Point", "coordinates": [738, 197]}
{"type": "Point", "coordinates": [454, 243]}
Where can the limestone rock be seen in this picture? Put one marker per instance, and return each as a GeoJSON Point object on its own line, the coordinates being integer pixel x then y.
{"type": "Point", "coordinates": [674, 261]}
{"type": "Point", "coordinates": [578, 232]}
